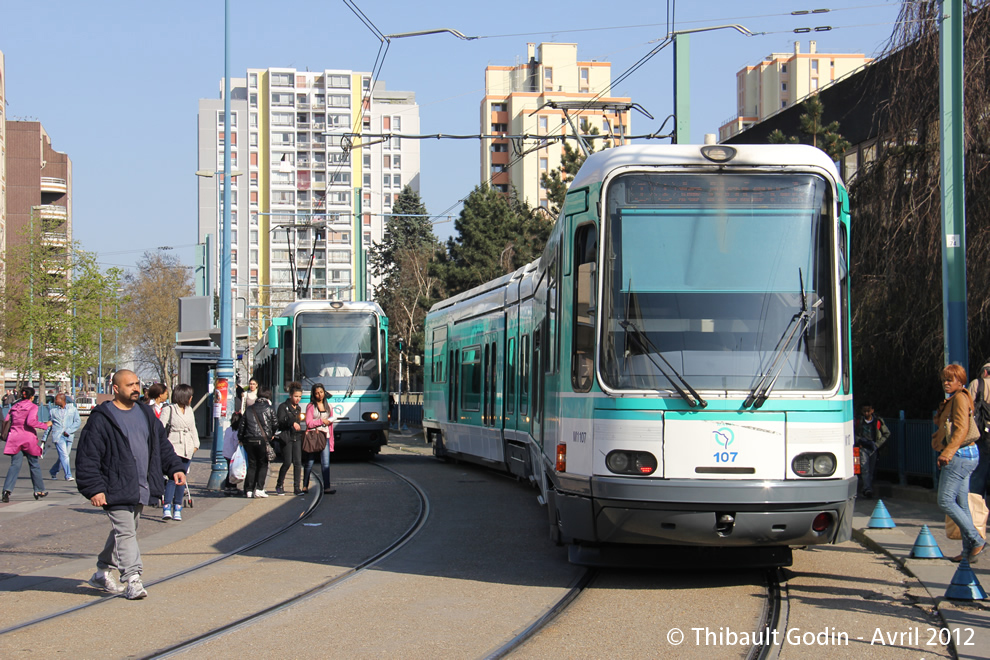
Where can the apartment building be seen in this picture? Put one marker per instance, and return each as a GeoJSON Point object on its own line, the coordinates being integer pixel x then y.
{"type": "Point", "coordinates": [783, 79]}
{"type": "Point", "coordinates": [39, 185]}
{"type": "Point", "coordinates": [312, 195]}
{"type": "Point", "coordinates": [515, 104]}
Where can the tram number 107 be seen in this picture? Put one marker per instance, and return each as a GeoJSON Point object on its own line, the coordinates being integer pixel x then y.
{"type": "Point", "coordinates": [725, 456]}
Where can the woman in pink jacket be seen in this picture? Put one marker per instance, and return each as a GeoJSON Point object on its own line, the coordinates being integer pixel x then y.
{"type": "Point", "coordinates": [23, 441]}
{"type": "Point", "coordinates": [319, 417]}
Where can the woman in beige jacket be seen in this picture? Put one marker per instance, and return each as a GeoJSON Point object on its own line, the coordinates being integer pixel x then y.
{"type": "Point", "coordinates": [181, 425]}
{"type": "Point", "coordinates": [957, 458]}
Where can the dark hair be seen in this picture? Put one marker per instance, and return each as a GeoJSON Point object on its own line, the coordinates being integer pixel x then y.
{"type": "Point", "coordinates": [156, 391]}
{"type": "Point", "coordinates": [182, 395]}
{"type": "Point", "coordinates": [293, 387]}
{"type": "Point", "coordinates": [239, 391]}
{"type": "Point", "coordinates": [265, 393]}
{"type": "Point", "coordinates": [27, 392]}
{"type": "Point", "coordinates": [312, 392]}
{"type": "Point", "coordinates": [235, 420]}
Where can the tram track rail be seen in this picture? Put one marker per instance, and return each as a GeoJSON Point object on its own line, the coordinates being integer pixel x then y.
{"type": "Point", "coordinates": [774, 619]}
{"type": "Point", "coordinates": [246, 547]}
{"type": "Point", "coordinates": [256, 617]}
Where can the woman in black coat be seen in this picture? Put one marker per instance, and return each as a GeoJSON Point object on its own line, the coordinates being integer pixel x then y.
{"type": "Point", "coordinates": [257, 429]}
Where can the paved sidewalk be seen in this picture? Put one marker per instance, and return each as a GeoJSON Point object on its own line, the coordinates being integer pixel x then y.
{"type": "Point", "coordinates": [910, 508]}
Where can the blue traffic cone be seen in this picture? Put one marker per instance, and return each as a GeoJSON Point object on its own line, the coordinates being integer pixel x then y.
{"type": "Point", "coordinates": [880, 518]}
{"type": "Point", "coordinates": [925, 546]}
{"type": "Point", "coordinates": [964, 585]}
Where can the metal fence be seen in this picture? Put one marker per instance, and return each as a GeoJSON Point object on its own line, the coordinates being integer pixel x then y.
{"type": "Point", "coordinates": [908, 454]}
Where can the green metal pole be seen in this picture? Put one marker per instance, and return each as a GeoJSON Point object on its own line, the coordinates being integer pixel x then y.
{"type": "Point", "coordinates": [359, 287]}
{"type": "Point", "coordinates": [954, 313]}
{"type": "Point", "coordinates": [682, 91]}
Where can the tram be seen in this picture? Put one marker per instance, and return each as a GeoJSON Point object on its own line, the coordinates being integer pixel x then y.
{"type": "Point", "coordinates": [344, 347]}
{"type": "Point", "coordinates": [675, 368]}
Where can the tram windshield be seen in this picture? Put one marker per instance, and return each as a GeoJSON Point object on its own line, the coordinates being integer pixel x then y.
{"type": "Point", "coordinates": [339, 350]}
{"type": "Point", "coordinates": [728, 277]}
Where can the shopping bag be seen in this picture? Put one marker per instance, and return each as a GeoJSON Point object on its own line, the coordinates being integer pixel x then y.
{"type": "Point", "coordinates": [977, 510]}
{"type": "Point", "coordinates": [238, 466]}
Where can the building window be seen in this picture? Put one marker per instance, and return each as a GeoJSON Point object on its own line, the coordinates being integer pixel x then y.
{"type": "Point", "coordinates": [783, 104]}
{"type": "Point", "coordinates": [339, 101]}
{"type": "Point", "coordinates": [543, 163]}
{"type": "Point", "coordinates": [502, 187]}
{"type": "Point", "coordinates": [253, 100]}
{"type": "Point", "coordinates": [498, 168]}
{"type": "Point", "coordinates": [282, 79]}
{"type": "Point", "coordinates": [396, 123]}
{"type": "Point", "coordinates": [340, 82]}
{"type": "Point", "coordinates": [386, 181]}
{"type": "Point", "coordinates": [366, 123]}
{"type": "Point", "coordinates": [254, 237]}
{"type": "Point", "coordinates": [584, 76]}
{"type": "Point", "coordinates": [366, 160]}
{"type": "Point", "coordinates": [396, 161]}
{"type": "Point", "coordinates": [543, 123]}
{"type": "Point", "coordinates": [253, 80]}
{"type": "Point", "coordinates": [386, 123]}
{"type": "Point", "coordinates": [366, 84]}
{"type": "Point", "coordinates": [233, 119]}
{"type": "Point", "coordinates": [783, 68]}
{"type": "Point", "coordinates": [548, 75]}
{"type": "Point", "coordinates": [498, 107]}
{"type": "Point", "coordinates": [397, 181]}
{"type": "Point", "coordinates": [254, 256]}
{"type": "Point", "coordinates": [814, 65]}
{"type": "Point", "coordinates": [499, 128]}
{"type": "Point", "coordinates": [367, 181]}
{"type": "Point", "coordinates": [499, 148]}
{"type": "Point", "coordinates": [386, 162]}
{"type": "Point", "coordinates": [783, 87]}
{"type": "Point", "coordinates": [282, 99]}
{"type": "Point", "coordinates": [253, 139]}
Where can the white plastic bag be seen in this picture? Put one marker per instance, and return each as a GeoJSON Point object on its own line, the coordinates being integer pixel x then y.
{"type": "Point", "coordinates": [238, 466]}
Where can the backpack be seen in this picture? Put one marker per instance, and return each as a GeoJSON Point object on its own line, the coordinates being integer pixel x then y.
{"type": "Point", "coordinates": [981, 410]}
{"type": "Point", "coordinates": [5, 429]}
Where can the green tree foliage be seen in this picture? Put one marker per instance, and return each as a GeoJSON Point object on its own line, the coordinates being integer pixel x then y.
{"type": "Point", "coordinates": [824, 136]}
{"type": "Point", "coordinates": [52, 292]}
{"type": "Point", "coordinates": [496, 235]}
{"type": "Point", "coordinates": [408, 287]}
{"type": "Point", "coordinates": [556, 181]}
{"type": "Point", "coordinates": [152, 312]}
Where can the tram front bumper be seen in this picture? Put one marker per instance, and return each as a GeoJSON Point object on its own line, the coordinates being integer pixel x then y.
{"type": "Point", "coordinates": [725, 513]}
{"type": "Point", "coordinates": [359, 435]}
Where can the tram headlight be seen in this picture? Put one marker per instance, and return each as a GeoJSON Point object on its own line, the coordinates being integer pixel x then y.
{"type": "Point", "coordinates": [814, 465]}
{"type": "Point", "coordinates": [631, 462]}
{"type": "Point", "coordinates": [370, 416]}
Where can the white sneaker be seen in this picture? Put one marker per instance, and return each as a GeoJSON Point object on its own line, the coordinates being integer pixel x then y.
{"type": "Point", "coordinates": [250, 493]}
{"type": "Point", "coordinates": [260, 493]}
{"type": "Point", "coordinates": [135, 590]}
{"type": "Point", "coordinates": [105, 581]}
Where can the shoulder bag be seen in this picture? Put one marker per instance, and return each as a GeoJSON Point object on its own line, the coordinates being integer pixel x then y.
{"type": "Point", "coordinates": [972, 433]}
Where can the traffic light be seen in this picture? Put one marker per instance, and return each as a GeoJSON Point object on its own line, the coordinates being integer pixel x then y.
{"type": "Point", "coordinates": [401, 345]}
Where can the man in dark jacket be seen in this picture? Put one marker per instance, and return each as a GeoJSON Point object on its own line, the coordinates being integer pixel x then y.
{"type": "Point", "coordinates": [121, 462]}
{"type": "Point", "coordinates": [870, 434]}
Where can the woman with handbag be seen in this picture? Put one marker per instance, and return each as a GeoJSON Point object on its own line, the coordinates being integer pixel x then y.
{"type": "Point", "coordinates": [258, 424]}
{"type": "Point", "coordinates": [22, 440]}
{"type": "Point", "coordinates": [955, 439]}
{"type": "Point", "coordinates": [180, 424]}
{"type": "Point", "coordinates": [318, 440]}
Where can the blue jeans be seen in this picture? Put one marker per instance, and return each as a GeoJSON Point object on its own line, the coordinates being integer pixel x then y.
{"type": "Point", "coordinates": [63, 445]}
{"type": "Point", "coordinates": [953, 495]}
{"type": "Point", "coordinates": [310, 459]}
{"type": "Point", "coordinates": [174, 493]}
{"type": "Point", "coordinates": [15, 469]}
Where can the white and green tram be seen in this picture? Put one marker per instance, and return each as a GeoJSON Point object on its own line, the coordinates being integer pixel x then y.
{"type": "Point", "coordinates": [343, 346]}
{"type": "Point", "coordinates": [675, 369]}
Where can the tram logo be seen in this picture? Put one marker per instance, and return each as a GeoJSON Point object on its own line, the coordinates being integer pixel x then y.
{"type": "Point", "coordinates": [724, 436]}
{"type": "Point", "coordinates": [338, 410]}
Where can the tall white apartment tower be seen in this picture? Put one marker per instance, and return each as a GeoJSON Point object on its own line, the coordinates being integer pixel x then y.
{"type": "Point", "coordinates": [313, 194]}
{"type": "Point", "coordinates": [783, 79]}
{"type": "Point", "coordinates": [515, 104]}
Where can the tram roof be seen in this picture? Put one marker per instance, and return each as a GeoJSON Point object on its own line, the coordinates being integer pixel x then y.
{"type": "Point", "coordinates": [327, 306]}
{"type": "Point", "coordinates": [599, 164]}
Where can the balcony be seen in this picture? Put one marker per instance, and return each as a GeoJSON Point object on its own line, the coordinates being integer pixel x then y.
{"type": "Point", "coordinates": [51, 211]}
{"type": "Point", "coordinates": [303, 124]}
{"type": "Point", "coordinates": [320, 167]}
{"type": "Point", "coordinates": [302, 106]}
{"type": "Point", "coordinates": [53, 185]}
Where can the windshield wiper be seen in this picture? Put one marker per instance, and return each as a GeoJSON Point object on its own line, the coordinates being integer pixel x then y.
{"type": "Point", "coordinates": [648, 348]}
{"type": "Point", "coordinates": [350, 383]}
{"type": "Point", "coordinates": [796, 328]}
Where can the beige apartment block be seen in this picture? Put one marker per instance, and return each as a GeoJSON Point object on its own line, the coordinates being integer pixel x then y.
{"type": "Point", "coordinates": [783, 79]}
{"type": "Point", "coordinates": [513, 105]}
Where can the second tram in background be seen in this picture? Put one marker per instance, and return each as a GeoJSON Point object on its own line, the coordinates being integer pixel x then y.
{"type": "Point", "coordinates": [344, 347]}
{"type": "Point", "coordinates": [674, 370]}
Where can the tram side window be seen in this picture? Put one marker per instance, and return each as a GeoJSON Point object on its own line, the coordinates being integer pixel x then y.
{"type": "Point", "coordinates": [583, 359]}
{"type": "Point", "coordinates": [844, 309]}
{"type": "Point", "coordinates": [485, 420]}
{"type": "Point", "coordinates": [471, 379]}
{"type": "Point", "coordinates": [287, 353]}
{"type": "Point", "coordinates": [438, 363]}
{"type": "Point", "coordinates": [551, 322]}
{"type": "Point", "coordinates": [510, 377]}
{"type": "Point", "coordinates": [492, 380]}
{"type": "Point", "coordinates": [524, 375]}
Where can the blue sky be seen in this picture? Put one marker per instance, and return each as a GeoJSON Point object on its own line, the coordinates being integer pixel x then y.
{"type": "Point", "coordinates": [116, 84]}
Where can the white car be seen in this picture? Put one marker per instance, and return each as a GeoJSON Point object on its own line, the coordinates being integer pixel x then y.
{"type": "Point", "coordinates": [85, 404]}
